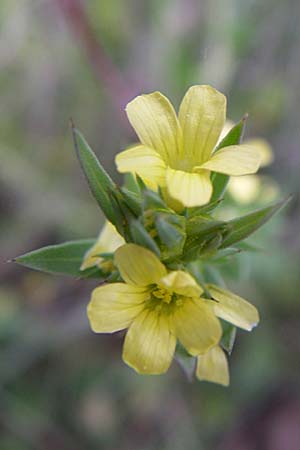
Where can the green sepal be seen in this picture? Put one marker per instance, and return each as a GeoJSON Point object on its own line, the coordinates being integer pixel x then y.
{"type": "Point", "coordinates": [233, 137]}
{"type": "Point", "coordinates": [171, 233]}
{"type": "Point", "coordinates": [152, 200]}
{"type": "Point", "coordinates": [203, 235]}
{"type": "Point", "coordinates": [61, 259]}
{"type": "Point", "coordinates": [186, 362]}
{"type": "Point", "coordinates": [223, 255]}
{"type": "Point", "coordinates": [242, 227]}
{"type": "Point", "coordinates": [206, 209]}
{"type": "Point", "coordinates": [203, 225]}
{"type": "Point", "coordinates": [228, 337]}
{"type": "Point", "coordinates": [133, 201]}
{"type": "Point", "coordinates": [140, 236]}
{"type": "Point", "coordinates": [130, 183]}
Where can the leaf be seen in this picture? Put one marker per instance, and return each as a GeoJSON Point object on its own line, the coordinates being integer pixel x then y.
{"type": "Point", "coordinates": [242, 227]}
{"type": "Point", "coordinates": [100, 183]}
{"type": "Point", "coordinates": [63, 259]}
{"type": "Point", "coordinates": [234, 137]}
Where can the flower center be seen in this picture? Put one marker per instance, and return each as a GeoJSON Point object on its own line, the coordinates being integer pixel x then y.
{"type": "Point", "coordinates": [163, 295]}
{"type": "Point", "coordinates": [163, 300]}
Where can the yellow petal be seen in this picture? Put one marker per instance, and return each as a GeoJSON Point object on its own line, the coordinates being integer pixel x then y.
{"type": "Point", "coordinates": [202, 117]}
{"type": "Point", "coordinates": [233, 309]}
{"type": "Point", "coordinates": [155, 122]}
{"type": "Point", "coordinates": [191, 189]}
{"type": "Point", "coordinates": [149, 344]}
{"type": "Point", "coordinates": [196, 326]}
{"type": "Point", "coordinates": [114, 306]}
{"type": "Point", "coordinates": [213, 366]}
{"type": "Point", "coordinates": [138, 266]}
{"type": "Point", "coordinates": [145, 162]}
{"type": "Point", "coordinates": [233, 160]}
{"type": "Point", "coordinates": [181, 283]}
{"type": "Point", "coordinates": [108, 241]}
{"type": "Point", "coordinates": [264, 149]}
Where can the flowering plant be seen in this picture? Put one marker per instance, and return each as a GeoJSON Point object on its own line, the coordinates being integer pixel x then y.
{"type": "Point", "coordinates": [157, 258]}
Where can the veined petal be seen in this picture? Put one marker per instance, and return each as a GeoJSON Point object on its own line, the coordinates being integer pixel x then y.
{"type": "Point", "coordinates": [233, 309]}
{"type": "Point", "coordinates": [181, 283]}
{"type": "Point", "coordinates": [156, 124]}
{"type": "Point", "coordinates": [138, 266]}
{"type": "Point", "coordinates": [233, 160]}
{"type": "Point", "coordinates": [108, 241]}
{"type": "Point", "coordinates": [149, 344]}
{"type": "Point", "coordinates": [191, 189]}
{"type": "Point", "coordinates": [196, 326]}
{"type": "Point", "coordinates": [202, 117]}
{"type": "Point", "coordinates": [145, 162]}
{"type": "Point", "coordinates": [213, 366]}
{"type": "Point", "coordinates": [114, 306]}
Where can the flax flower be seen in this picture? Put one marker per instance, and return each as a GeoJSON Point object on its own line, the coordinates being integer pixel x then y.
{"type": "Point", "coordinates": [158, 307]}
{"type": "Point", "coordinates": [177, 153]}
{"type": "Point", "coordinates": [107, 242]}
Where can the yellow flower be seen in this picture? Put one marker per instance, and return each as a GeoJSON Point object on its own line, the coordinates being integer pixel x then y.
{"type": "Point", "coordinates": [108, 241]}
{"type": "Point", "coordinates": [158, 307]}
{"type": "Point", "coordinates": [177, 153]}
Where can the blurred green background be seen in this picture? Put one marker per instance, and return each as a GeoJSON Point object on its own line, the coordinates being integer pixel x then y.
{"type": "Point", "coordinates": [61, 386]}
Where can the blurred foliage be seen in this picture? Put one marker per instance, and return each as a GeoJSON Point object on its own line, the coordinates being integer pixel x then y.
{"type": "Point", "coordinates": [60, 385]}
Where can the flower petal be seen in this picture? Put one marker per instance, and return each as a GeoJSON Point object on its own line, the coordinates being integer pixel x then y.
{"type": "Point", "coordinates": [213, 366]}
{"type": "Point", "coordinates": [234, 160]}
{"type": "Point", "coordinates": [233, 309]}
{"type": "Point", "coordinates": [114, 306]}
{"type": "Point", "coordinates": [156, 124]}
{"type": "Point", "coordinates": [191, 189]}
{"type": "Point", "coordinates": [202, 117]}
{"type": "Point", "coordinates": [108, 241]}
{"type": "Point", "coordinates": [181, 283]}
{"type": "Point", "coordinates": [149, 344]}
{"type": "Point", "coordinates": [196, 326]}
{"type": "Point", "coordinates": [145, 162]}
{"type": "Point", "coordinates": [138, 266]}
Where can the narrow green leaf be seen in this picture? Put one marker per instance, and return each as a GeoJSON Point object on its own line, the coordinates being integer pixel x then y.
{"type": "Point", "coordinates": [242, 227]}
{"type": "Point", "coordinates": [98, 179]}
{"type": "Point", "coordinates": [63, 259]}
{"type": "Point", "coordinates": [234, 137]}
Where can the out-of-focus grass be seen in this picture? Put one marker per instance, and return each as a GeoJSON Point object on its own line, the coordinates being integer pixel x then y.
{"type": "Point", "coordinates": [60, 385]}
